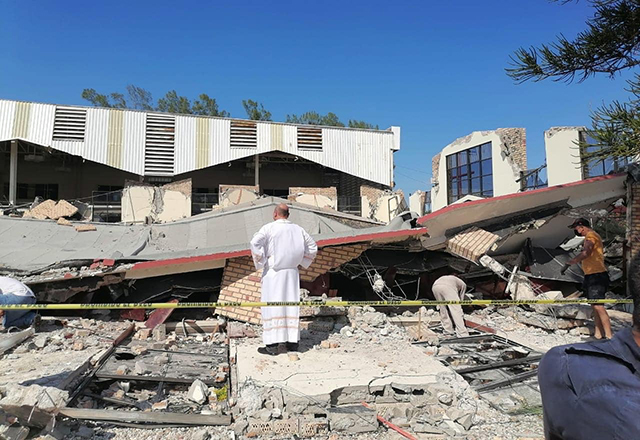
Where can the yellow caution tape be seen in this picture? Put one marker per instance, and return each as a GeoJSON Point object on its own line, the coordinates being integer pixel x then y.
{"type": "Point", "coordinates": [213, 305]}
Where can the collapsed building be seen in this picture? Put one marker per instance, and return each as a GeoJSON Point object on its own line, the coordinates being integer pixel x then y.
{"type": "Point", "coordinates": [168, 368]}
{"type": "Point", "coordinates": [97, 154]}
{"type": "Point", "coordinates": [151, 172]}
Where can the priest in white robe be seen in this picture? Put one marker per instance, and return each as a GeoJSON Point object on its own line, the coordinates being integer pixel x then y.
{"type": "Point", "coordinates": [278, 248]}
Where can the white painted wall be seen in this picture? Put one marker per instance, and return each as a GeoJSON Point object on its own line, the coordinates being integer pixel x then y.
{"type": "Point", "coordinates": [417, 201]}
{"type": "Point", "coordinates": [563, 155]}
{"type": "Point", "coordinates": [505, 175]}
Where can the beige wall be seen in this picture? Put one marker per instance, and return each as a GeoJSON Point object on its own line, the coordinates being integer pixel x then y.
{"type": "Point", "coordinates": [563, 155]}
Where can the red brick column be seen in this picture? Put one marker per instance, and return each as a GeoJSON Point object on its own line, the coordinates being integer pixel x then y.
{"type": "Point", "coordinates": [241, 282]}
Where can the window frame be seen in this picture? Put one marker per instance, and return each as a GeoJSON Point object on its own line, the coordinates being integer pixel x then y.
{"type": "Point", "coordinates": [466, 173]}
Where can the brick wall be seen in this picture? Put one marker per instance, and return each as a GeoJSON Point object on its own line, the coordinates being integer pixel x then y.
{"type": "Point", "coordinates": [315, 196]}
{"type": "Point", "coordinates": [330, 192]}
{"type": "Point", "coordinates": [515, 141]}
{"type": "Point", "coordinates": [241, 282]}
{"type": "Point", "coordinates": [372, 194]}
{"type": "Point", "coordinates": [223, 188]}
{"type": "Point", "coordinates": [435, 167]}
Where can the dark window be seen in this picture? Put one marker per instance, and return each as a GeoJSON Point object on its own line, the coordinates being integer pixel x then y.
{"type": "Point", "coordinates": [470, 172]}
{"type": "Point", "coordinates": [108, 194]}
{"type": "Point", "coordinates": [29, 191]}
{"type": "Point", "coordinates": [350, 205]}
{"type": "Point", "coordinates": [204, 199]}
{"type": "Point", "coordinates": [600, 167]}
{"type": "Point", "coordinates": [284, 193]}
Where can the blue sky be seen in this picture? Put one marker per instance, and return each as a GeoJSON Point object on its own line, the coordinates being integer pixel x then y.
{"type": "Point", "coordinates": [434, 68]}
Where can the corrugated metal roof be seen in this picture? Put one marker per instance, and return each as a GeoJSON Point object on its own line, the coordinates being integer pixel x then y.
{"type": "Point", "coordinates": [367, 154]}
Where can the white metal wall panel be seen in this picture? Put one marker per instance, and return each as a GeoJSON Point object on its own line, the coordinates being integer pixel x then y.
{"type": "Point", "coordinates": [365, 154]}
{"type": "Point", "coordinates": [220, 149]}
{"type": "Point", "coordinates": [7, 113]}
{"type": "Point", "coordinates": [95, 138]}
{"type": "Point", "coordinates": [360, 153]}
{"type": "Point", "coordinates": [133, 141]}
{"type": "Point", "coordinates": [41, 124]}
{"type": "Point", "coordinates": [289, 139]}
{"type": "Point", "coordinates": [185, 159]}
{"type": "Point", "coordinates": [71, 147]}
{"type": "Point", "coordinates": [264, 137]}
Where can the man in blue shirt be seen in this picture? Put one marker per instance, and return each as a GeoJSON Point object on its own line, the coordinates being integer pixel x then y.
{"type": "Point", "coordinates": [592, 390]}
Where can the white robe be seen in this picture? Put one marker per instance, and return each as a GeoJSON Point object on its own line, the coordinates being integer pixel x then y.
{"type": "Point", "coordinates": [279, 248]}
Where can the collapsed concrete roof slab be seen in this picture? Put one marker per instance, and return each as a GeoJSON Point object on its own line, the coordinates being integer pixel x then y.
{"type": "Point", "coordinates": [31, 246]}
{"type": "Point", "coordinates": [504, 213]}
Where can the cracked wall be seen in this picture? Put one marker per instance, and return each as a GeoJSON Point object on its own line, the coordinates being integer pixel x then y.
{"type": "Point", "coordinates": [508, 158]}
{"type": "Point", "coordinates": [143, 203]}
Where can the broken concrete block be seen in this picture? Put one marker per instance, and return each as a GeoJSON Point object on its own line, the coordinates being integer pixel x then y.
{"type": "Point", "coordinates": [122, 370]}
{"type": "Point", "coordinates": [82, 333]}
{"type": "Point", "coordinates": [198, 392]}
{"type": "Point", "coordinates": [85, 228]}
{"type": "Point", "coordinates": [263, 415]}
{"type": "Point", "coordinates": [143, 333]}
{"type": "Point", "coordinates": [160, 333]}
{"type": "Point", "coordinates": [139, 350]}
{"type": "Point", "coordinates": [40, 341]}
{"type": "Point", "coordinates": [325, 344]}
{"type": "Point", "coordinates": [354, 419]}
{"type": "Point", "coordinates": [20, 400]}
{"type": "Point", "coordinates": [78, 346]}
{"type": "Point", "coordinates": [63, 222]}
{"type": "Point", "coordinates": [466, 420]}
{"type": "Point", "coordinates": [159, 406]}
{"type": "Point", "coordinates": [200, 434]}
{"type": "Point", "coordinates": [141, 368]}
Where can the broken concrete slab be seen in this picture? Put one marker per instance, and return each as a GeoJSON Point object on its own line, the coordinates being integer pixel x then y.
{"type": "Point", "coordinates": [34, 402]}
{"type": "Point", "coordinates": [353, 419]}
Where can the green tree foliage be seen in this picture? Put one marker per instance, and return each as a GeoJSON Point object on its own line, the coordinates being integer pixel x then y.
{"type": "Point", "coordinates": [315, 118]}
{"type": "Point", "coordinates": [362, 124]}
{"type": "Point", "coordinates": [113, 100]}
{"type": "Point", "coordinates": [141, 99]}
{"type": "Point", "coordinates": [256, 111]}
{"type": "Point", "coordinates": [208, 106]}
{"type": "Point", "coordinates": [609, 45]}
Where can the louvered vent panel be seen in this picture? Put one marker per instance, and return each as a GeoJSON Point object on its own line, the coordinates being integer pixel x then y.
{"type": "Point", "coordinates": [310, 138]}
{"type": "Point", "coordinates": [159, 152]}
{"type": "Point", "coordinates": [69, 124]}
{"type": "Point", "coordinates": [244, 134]}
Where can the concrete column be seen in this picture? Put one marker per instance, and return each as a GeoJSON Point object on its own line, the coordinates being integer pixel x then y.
{"type": "Point", "coordinates": [13, 173]}
{"type": "Point", "coordinates": [257, 172]}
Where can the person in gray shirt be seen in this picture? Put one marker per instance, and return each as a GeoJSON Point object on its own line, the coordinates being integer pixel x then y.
{"type": "Point", "coordinates": [451, 288]}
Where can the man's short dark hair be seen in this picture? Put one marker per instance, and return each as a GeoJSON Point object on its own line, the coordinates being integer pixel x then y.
{"type": "Point", "coordinates": [633, 278]}
{"type": "Point", "coordinates": [580, 222]}
{"type": "Point", "coordinates": [282, 210]}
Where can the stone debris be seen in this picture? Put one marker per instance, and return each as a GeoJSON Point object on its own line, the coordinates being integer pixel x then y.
{"type": "Point", "coordinates": [198, 392]}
